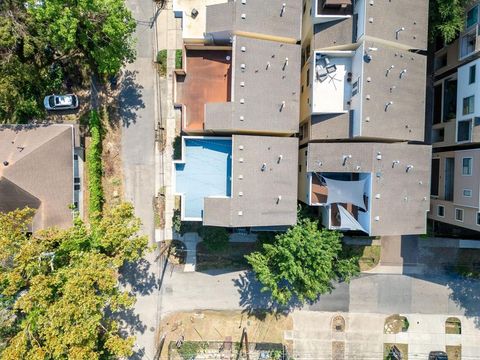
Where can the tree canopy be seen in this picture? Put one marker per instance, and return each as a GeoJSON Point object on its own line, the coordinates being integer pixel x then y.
{"type": "Point", "coordinates": [48, 45]}
{"type": "Point", "coordinates": [447, 18]}
{"type": "Point", "coordinates": [302, 263]}
{"type": "Point", "coordinates": [59, 288]}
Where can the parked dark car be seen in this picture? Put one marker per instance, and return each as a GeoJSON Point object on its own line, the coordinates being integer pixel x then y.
{"type": "Point", "coordinates": [438, 355]}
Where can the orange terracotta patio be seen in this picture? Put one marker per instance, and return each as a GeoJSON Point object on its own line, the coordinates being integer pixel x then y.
{"type": "Point", "coordinates": [207, 80]}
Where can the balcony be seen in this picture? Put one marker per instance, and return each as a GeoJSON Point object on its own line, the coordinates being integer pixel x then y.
{"type": "Point", "coordinates": [469, 43]}
{"type": "Point", "coordinates": [331, 10]}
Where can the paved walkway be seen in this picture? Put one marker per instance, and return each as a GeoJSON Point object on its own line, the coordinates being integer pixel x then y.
{"type": "Point", "coordinates": [364, 336]}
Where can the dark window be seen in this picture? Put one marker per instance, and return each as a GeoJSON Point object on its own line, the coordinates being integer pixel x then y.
{"type": "Point", "coordinates": [478, 218]}
{"type": "Point", "coordinates": [459, 214]}
{"type": "Point", "coordinates": [76, 180]}
{"type": "Point", "coordinates": [299, 168]}
{"type": "Point", "coordinates": [308, 77]}
{"type": "Point", "coordinates": [441, 211]}
{"type": "Point", "coordinates": [76, 187]}
{"type": "Point", "coordinates": [75, 157]}
{"type": "Point", "coordinates": [437, 104]}
{"type": "Point", "coordinates": [302, 89]}
{"type": "Point", "coordinates": [304, 6]}
{"type": "Point", "coordinates": [468, 105]}
{"type": "Point", "coordinates": [464, 130]}
{"type": "Point", "coordinates": [449, 100]}
{"type": "Point", "coordinates": [438, 135]}
{"type": "Point", "coordinates": [440, 61]}
{"type": "Point", "coordinates": [435, 177]}
{"type": "Point", "coordinates": [472, 16]}
{"type": "Point", "coordinates": [472, 75]}
{"type": "Point", "coordinates": [467, 166]}
{"type": "Point", "coordinates": [449, 178]}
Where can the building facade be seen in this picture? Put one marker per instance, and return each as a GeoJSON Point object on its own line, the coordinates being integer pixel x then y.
{"type": "Point", "coordinates": [455, 198]}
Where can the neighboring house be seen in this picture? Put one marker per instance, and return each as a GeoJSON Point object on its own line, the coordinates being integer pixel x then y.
{"type": "Point", "coordinates": [40, 167]}
{"type": "Point", "coordinates": [239, 97]}
{"type": "Point", "coordinates": [455, 202]}
{"type": "Point", "coordinates": [363, 115]}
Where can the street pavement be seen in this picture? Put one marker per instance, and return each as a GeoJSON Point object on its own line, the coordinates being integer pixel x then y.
{"type": "Point", "coordinates": [138, 104]}
{"type": "Point", "coordinates": [380, 294]}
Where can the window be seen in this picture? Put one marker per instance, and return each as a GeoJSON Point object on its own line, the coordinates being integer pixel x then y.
{"type": "Point", "coordinates": [440, 61]}
{"type": "Point", "coordinates": [472, 16]}
{"type": "Point", "coordinates": [467, 166]}
{"type": "Point", "coordinates": [438, 135]}
{"type": "Point", "coordinates": [449, 100]}
{"type": "Point", "coordinates": [302, 89]}
{"type": "Point", "coordinates": [299, 168]}
{"type": "Point", "coordinates": [75, 157]}
{"type": "Point", "coordinates": [304, 6]}
{"type": "Point", "coordinates": [459, 215]}
{"type": "Point", "coordinates": [468, 44]}
{"type": "Point", "coordinates": [441, 211]}
{"type": "Point", "coordinates": [76, 180]}
{"type": "Point", "coordinates": [464, 130]}
{"type": "Point", "coordinates": [472, 74]}
{"type": "Point", "coordinates": [434, 184]}
{"type": "Point", "coordinates": [308, 77]}
{"type": "Point", "coordinates": [478, 218]}
{"type": "Point", "coordinates": [468, 105]}
{"type": "Point", "coordinates": [467, 193]}
{"type": "Point", "coordinates": [76, 187]}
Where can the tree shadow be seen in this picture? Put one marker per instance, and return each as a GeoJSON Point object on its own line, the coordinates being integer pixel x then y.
{"type": "Point", "coordinates": [466, 294]}
{"type": "Point", "coordinates": [257, 302]}
{"type": "Point", "coordinates": [131, 322]}
{"type": "Point", "coordinates": [139, 277]}
{"type": "Point", "coordinates": [130, 98]}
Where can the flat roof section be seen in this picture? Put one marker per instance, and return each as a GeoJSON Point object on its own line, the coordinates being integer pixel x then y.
{"type": "Point", "coordinates": [204, 171]}
{"type": "Point", "coordinates": [207, 80]}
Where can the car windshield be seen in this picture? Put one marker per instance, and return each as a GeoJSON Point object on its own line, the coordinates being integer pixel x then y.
{"type": "Point", "coordinates": [51, 101]}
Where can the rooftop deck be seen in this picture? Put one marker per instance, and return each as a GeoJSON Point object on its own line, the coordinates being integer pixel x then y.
{"type": "Point", "coordinates": [332, 83]}
{"type": "Point", "coordinates": [207, 80]}
{"type": "Point", "coordinates": [334, 8]}
{"type": "Point", "coordinates": [204, 171]}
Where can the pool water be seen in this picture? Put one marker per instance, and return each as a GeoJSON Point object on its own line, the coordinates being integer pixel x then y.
{"type": "Point", "coordinates": [206, 172]}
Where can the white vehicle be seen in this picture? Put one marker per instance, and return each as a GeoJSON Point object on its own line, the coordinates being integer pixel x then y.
{"type": "Point", "coordinates": [60, 102]}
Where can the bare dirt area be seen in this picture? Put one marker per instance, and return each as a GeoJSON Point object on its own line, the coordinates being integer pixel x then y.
{"type": "Point", "coordinates": [223, 327]}
{"type": "Point", "coordinates": [111, 156]}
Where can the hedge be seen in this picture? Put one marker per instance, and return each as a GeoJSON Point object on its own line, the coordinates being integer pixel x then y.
{"type": "Point", "coordinates": [94, 166]}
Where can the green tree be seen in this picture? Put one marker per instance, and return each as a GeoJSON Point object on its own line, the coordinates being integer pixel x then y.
{"type": "Point", "coordinates": [303, 263]}
{"type": "Point", "coordinates": [59, 288]}
{"type": "Point", "coordinates": [214, 238]}
{"type": "Point", "coordinates": [447, 18]}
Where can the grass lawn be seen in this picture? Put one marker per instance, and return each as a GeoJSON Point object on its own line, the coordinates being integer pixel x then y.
{"type": "Point", "coordinates": [454, 352]}
{"type": "Point", "coordinates": [233, 257]}
{"type": "Point", "coordinates": [368, 256]}
{"type": "Point", "coordinates": [402, 347]}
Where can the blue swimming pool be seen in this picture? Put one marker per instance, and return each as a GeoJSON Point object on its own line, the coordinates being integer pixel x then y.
{"type": "Point", "coordinates": [205, 172]}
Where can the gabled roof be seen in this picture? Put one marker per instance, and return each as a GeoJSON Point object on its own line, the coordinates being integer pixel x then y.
{"type": "Point", "coordinates": [36, 170]}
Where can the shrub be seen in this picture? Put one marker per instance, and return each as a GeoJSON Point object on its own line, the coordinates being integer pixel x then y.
{"type": "Point", "coordinates": [176, 221]}
{"type": "Point", "coordinates": [214, 238]}
{"type": "Point", "coordinates": [190, 349]}
{"type": "Point", "coordinates": [178, 59]}
{"type": "Point", "coordinates": [94, 166]}
{"type": "Point", "coordinates": [162, 61]}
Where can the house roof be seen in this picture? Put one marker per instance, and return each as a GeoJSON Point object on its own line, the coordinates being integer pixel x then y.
{"type": "Point", "coordinates": [257, 17]}
{"type": "Point", "coordinates": [265, 89]}
{"type": "Point", "coordinates": [39, 172]}
{"type": "Point", "coordinates": [400, 198]}
{"type": "Point", "coordinates": [264, 184]}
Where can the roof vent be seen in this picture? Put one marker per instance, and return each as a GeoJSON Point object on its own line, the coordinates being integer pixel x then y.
{"type": "Point", "coordinates": [345, 158]}
{"type": "Point", "coordinates": [285, 64]}
{"type": "Point", "coordinates": [377, 218]}
{"type": "Point", "coordinates": [240, 213]}
{"type": "Point", "coordinates": [242, 101]}
{"type": "Point", "coordinates": [398, 31]}
{"type": "Point", "coordinates": [367, 97]}
{"type": "Point", "coordinates": [283, 9]}
{"type": "Point", "coordinates": [369, 79]}
{"type": "Point", "coordinates": [264, 167]}
{"type": "Point", "coordinates": [379, 156]}
{"type": "Point", "coordinates": [280, 157]}
{"type": "Point", "coordinates": [240, 177]}
{"type": "Point", "coordinates": [358, 167]}
{"type": "Point", "coordinates": [370, 20]}
{"type": "Point", "coordinates": [279, 198]}
{"type": "Point", "coordinates": [387, 105]}
{"type": "Point", "coordinates": [371, 2]}
{"type": "Point", "coordinates": [244, 2]}
{"type": "Point", "coordinates": [243, 49]}
{"type": "Point", "coordinates": [282, 106]}
{"type": "Point", "coordinates": [268, 65]}
{"type": "Point", "coordinates": [390, 69]}
{"type": "Point", "coordinates": [240, 160]}
{"type": "Point", "coordinates": [5, 163]}
{"type": "Point", "coordinates": [395, 162]}
{"type": "Point", "coordinates": [240, 147]}
{"type": "Point", "coordinates": [403, 72]}
{"type": "Point", "coordinates": [243, 66]}
{"type": "Point", "coordinates": [194, 13]}
{"type": "Point", "coordinates": [244, 16]}
{"type": "Point", "coordinates": [242, 83]}
{"type": "Point", "coordinates": [409, 167]}
{"type": "Point", "coordinates": [240, 193]}
{"type": "Point", "coordinates": [242, 117]}
{"type": "Point", "coordinates": [377, 196]}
